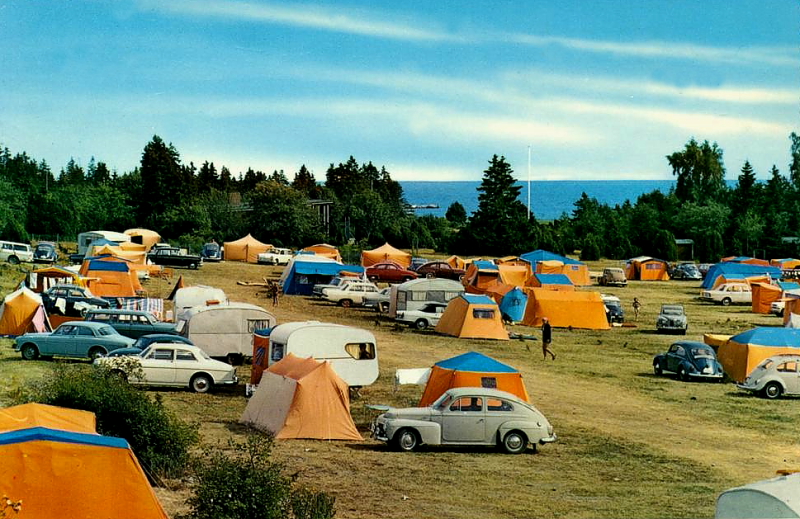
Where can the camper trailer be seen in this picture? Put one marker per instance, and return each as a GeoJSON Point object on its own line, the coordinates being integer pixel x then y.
{"type": "Point", "coordinates": [225, 330]}
{"type": "Point", "coordinates": [352, 352]}
{"type": "Point", "coordinates": [414, 294]}
{"type": "Point", "coordinates": [188, 297]}
{"type": "Point", "coordinates": [86, 240]}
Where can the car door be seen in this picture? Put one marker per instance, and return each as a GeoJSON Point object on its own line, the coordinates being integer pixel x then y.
{"type": "Point", "coordinates": [60, 342]}
{"type": "Point", "coordinates": [675, 356]}
{"type": "Point", "coordinates": [464, 421]}
{"type": "Point", "coordinates": [498, 411]}
{"type": "Point", "coordinates": [84, 339]}
{"type": "Point", "coordinates": [186, 365]}
{"type": "Point", "coordinates": [788, 372]}
{"type": "Point", "coordinates": [159, 366]}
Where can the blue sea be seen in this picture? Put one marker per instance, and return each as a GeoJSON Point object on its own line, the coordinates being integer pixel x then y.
{"type": "Point", "coordinates": [549, 199]}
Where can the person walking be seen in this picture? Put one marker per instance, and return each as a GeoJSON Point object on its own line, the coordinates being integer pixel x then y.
{"type": "Point", "coordinates": [547, 338]}
{"type": "Point", "coordinates": [636, 306]}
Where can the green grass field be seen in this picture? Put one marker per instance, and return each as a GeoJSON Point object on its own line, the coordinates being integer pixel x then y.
{"type": "Point", "coordinates": [630, 444]}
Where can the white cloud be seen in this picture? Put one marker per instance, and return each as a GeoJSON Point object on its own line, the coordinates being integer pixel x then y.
{"type": "Point", "coordinates": [307, 16]}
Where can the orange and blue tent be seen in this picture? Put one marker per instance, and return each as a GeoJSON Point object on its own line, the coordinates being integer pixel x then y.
{"type": "Point", "coordinates": [740, 354]}
{"type": "Point", "coordinates": [512, 306]}
{"type": "Point", "coordinates": [551, 281]}
{"type": "Point", "coordinates": [471, 316]}
{"type": "Point", "coordinates": [546, 262]}
{"type": "Point", "coordinates": [472, 369]}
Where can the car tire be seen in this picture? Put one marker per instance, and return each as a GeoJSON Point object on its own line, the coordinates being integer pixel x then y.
{"type": "Point", "coordinates": [13, 260]}
{"type": "Point", "coordinates": [29, 351]}
{"type": "Point", "coordinates": [119, 375]}
{"type": "Point", "coordinates": [235, 359]}
{"type": "Point", "coordinates": [420, 324]}
{"type": "Point", "coordinates": [657, 369]}
{"type": "Point", "coordinates": [772, 391]}
{"type": "Point", "coordinates": [96, 352]}
{"type": "Point", "coordinates": [193, 266]}
{"type": "Point", "coordinates": [405, 440]}
{"type": "Point", "coordinates": [430, 275]}
{"type": "Point", "coordinates": [374, 279]}
{"type": "Point", "coordinates": [201, 383]}
{"type": "Point", "coordinates": [515, 442]}
{"type": "Point", "coordinates": [726, 301]}
{"type": "Point", "coordinates": [346, 303]}
{"type": "Point", "coordinates": [682, 375]}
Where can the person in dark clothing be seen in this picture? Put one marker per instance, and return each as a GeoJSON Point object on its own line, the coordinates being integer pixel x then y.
{"type": "Point", "coordinates": [547, 338]}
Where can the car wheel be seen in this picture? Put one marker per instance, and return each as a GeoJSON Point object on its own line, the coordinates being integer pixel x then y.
{"type": "Point", "coordinates": [96, 352]}
{"type": "Point", "coordinates": [201, 383]}
{"type": "Point", "coordinates": [346, 303]}
{"type": "Point", "coordinates": [13, 260]}
{"type": "Point", "coordinates": [406, 440]}
{"type": "Point", "coordinates": [119, 375]}
{"type": "Point", "coordinates": [780, 314]}
{"type": "Point", "coordinates": [773, 390]}
{"type": "Point", "coordinates": [515, 442]}
{"type": "Point", "coordinates": [235, 359]}
{"type": "Point", "coordinates": [430, 275]}
{"type": "Point", "coordinates": [682, 375]}
{"type": "Point", "coordinates": [657, 369]}
{"type": "Point", "coordinates": [193, 266]}
{"type": "Point", "coordinates": [726, 301]}
{"type": "Point", "coordinates": [420, 324]}
{"type": "Point", "coordinates": [374, 279]}
{"type": "Point", "coordinates": [29, 352]}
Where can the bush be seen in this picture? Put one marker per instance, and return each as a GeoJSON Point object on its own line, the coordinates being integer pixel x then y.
{"type": "Point", "coordinates": [242, 483]}
{"type": "Point", "coordinates": [159, 439]}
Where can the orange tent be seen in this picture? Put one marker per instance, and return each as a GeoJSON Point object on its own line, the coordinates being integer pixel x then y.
{"type": "Point", "coordinates": [740, 354]}
{"type": "Point", "coordinates": [747, 260]}
{"type": "Point", "coordinates": [472, 369]}
{"type": "Point", "coordinates": [138, 257]}
{"type": "Point", "coordinates": [734, 278]}
{"type": "Point", "coordinates": [22, 312]}
{"type": "Point", "coordinates": [325, 250]}
{"type": "Point", "coordinates": [55, 462]}
{"type": "Point", "coordinates": [515, 273]}
{"type": "Point", "coordinates": [245, 249]}
{"type": "Point", "coordinates": [645, 268]}
{"type": "Point", "coordinates": [302, 398]}
{"type": "Point", "coordinates": [497, 290]}
{"type": "Point", "coordinates": [144, 237]}
{"type": "Point", "coordinates": [111, 277]}
{"type": "Point", "coordinates": [480, 276]}
{"type": "Point", "coordinates": [472, 317]}
{"type": "Point", "coordinates": [383, 253]}
{"type": "Point", "coordinates": [764, 294]}
{"type": "Point", "coordinates": [551, 281]}
{"type": "Point", "coordinates": [50, 276]}
{"type": "Point", "coordinates": [565, 309]}
{"type": "Point", "coordinates": [785, 263]}
{"type": "Point", "coordinates": [456, 262]}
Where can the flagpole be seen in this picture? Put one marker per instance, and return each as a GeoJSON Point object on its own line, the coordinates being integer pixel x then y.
{"type": "Point", "coordinates": [529, 182]}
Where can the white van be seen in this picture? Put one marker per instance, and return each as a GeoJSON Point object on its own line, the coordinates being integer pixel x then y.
{"type": "Point", "coordinates": [352, 352]}
{"type": "Point", "coordinates": [225, 330]}
{"type": "Point", "coordinates": [14, 252]}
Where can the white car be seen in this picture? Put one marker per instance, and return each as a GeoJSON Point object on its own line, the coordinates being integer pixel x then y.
{"type": "Point", "coordinates": [777, 307]}
{"type": "Point", "coordinates": [728, 293]}
{"type": "Point", "coordinates": [350, 293]}
{"type": "Point", "coordinates": [778, 375]}
{"type": "Point", "coordinates": [173, 364]}
{"type": "Point", "coordinates": [380, 301]}
{"type": "Point", "coordinates": [14, 252]}
{"type": "Point", "coordinates": [275, 257]}
{"type": "Point", "coordinates": [427, 315]}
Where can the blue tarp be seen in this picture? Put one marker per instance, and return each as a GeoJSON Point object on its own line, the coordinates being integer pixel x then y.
{"type": "Point", "coordinates": [485, 265]}
{"type": "Point", "coordinates": [738, 270]}
{"type": "Point", "coordinates": [54, 435]}
{"type": "Point", "coordinates": [475, 362]}
{"type": "Point", "coordinates": [305, 274]}
{"type": "Point", "coordinates": [553, 279]}
{"type": "Point", "coordinates": [478, 299]}
{"type": "Point", "coordinates": [536, 256]}
{"type": "Point", "coordinates": [770, 336]}
{"type": "Point", "coordinates": [108, 266]}
{"type": "Point", "coordinates": [512, 307]}
{"type": "Point", "coordinates": [788, 285]}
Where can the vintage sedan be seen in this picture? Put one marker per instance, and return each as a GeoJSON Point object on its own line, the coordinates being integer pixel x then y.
{"type": "Point", "coordinates": [131, 323]}
{"type": "Point", "coordinates": [778, 375]}
{"type": "Point", "coordinates": [689, 360]}
{"type": "Point", "coordinates": [672, 319]}
{"type": "Point", "coordinates": [144, 341]}
{"type": "Point", "coordinates": [466, 416]}
{"type": "Point", "coordinates": [172, 364]}
{"type": "Point", "coordinates": [72, 339]}
{"type": "Point", "coordinates": [390, 272]}
{"type": "Point", "coordinates": [428, 315]}
{"type": "Point", "coordinates": [440, 269]}
{"type": "Point", "coordinates": [71, 300]}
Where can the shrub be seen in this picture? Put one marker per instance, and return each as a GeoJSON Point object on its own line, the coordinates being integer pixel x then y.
{"type": "Point", "coordinates": [159, 439]}
{"type": "Point", "coordinates": [241, 482]}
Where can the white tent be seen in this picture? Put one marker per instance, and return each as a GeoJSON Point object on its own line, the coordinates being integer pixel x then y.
{"type": "Point", "coordinates": [773, 498]}
{"type": "Point", "coordinates": [199, 295]}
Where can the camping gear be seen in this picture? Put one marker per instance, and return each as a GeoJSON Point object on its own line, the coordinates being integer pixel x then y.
{"type": "Point", "coordinates": [546, 262]}
{"type": "Point", "coordinates": [58, 466]}
{"type": "Point", "coordinates": [740, 354]}
{"type": "Point", "coordinates": [245, 249]}
{"type": "Point", "coordinates": [383, 253]}
{"type": "Point", "coordinates": [738, 271]}
{"type": "Point", "coordinates": [774, 498]}
{"type": "Point", "coordinates": [512, 307]}
{"type": "Point", "coordinates": [224, 330]}
{"type": "Point", "coordinates": [472, 369]}
{"type": "Point", "coordinates": [414, 294]}
{"type": "Point", "coordinates": [565, 309]}
{"type": "Point", "coordinates": [646, 268]}
{"type": "Point", "coordinates": [472, 317]}
{"type": "Point", "coordinates": [480, 275]}
{"type": "Point", "coordinates": [110, 277]}
{"type": "Point", "coordinates": [22, 311]}
{"type": "Point", "coordinates": [325, 250]}
{"type": "Point", "coordinates": [764, 294]}
{"type": "Point", "coordinates": [302, 275]}
{"type": "Point", "coordinates": [302, 398]}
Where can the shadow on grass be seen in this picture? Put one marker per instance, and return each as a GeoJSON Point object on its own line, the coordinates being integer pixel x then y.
{"type": "Point", "coordinates": [434, 449]}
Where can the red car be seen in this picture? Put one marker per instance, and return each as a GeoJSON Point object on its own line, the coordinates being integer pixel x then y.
{"type": "Point", "coordinates": [390, 272]}
{"type": "Point", "coordinates": [440, 269]}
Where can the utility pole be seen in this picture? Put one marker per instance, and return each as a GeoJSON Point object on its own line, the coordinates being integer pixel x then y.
{"type": "Point", "coordinates": [529, 182]}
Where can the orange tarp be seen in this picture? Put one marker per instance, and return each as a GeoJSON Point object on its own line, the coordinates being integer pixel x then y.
{"type": "Point", "coordinates": [383, 253]}
{"type": "Point", "coordinates": [472, 317]}
{"type": "Point", "coordinates": [42, 415]}
{"type": "Point", "coordinates": [764, 294]}
{"type": "Point", "coordinates": [565, 309]}
{"type": "Point", "coordinates": [325, 250]}
{"type": "Point", "coordinates": [578, 274]}
{"type": "Point", "coordinates": [302, 398]}
{"type": "Point", "coordinates": [245, 249]}
{"type": "Point", "coordinates": [515, 274]}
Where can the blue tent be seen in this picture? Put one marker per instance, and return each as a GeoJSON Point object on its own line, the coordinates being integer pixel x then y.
{"type": "Point", "coordinates": [738, 270]}
{"type": "Point", "coordinates": [788, 285]}
{"type": "Point", "coordinates": [512, 307]}
{"type": "Point", "coordinates": [553, 279]}
{"type": "Point", "coordinates": [536, 256]}
{"type": "Point", "coordinates": [305, 274]}
{"type": "Point", "coordinates": [485, 265]}
{"type": "Point", "coordinates": [770, 336]}
{"type": "Point", "coordinates": [475, 362]}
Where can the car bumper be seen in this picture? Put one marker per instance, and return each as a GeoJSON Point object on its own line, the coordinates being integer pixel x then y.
{"type": "Point", "coordinates": [229, 381]}
{"type": "Point", "coordinates": [711, 376]}
{"type": "Point", "coordinates": [747, 388]}
{"type": "Point", "coordinates": [548, 439]}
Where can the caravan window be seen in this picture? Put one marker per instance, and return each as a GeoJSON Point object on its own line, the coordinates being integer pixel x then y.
{"type": "Point", "coordinates": [277, 351]}
{"type": "Point", "coordinates": [402, 297]}
{"type": "Point", "coordinates": [436, 295]}
{"type": "Point", "coordinates": [257, 324]}
{"type": "Point", "coordinates": [483, 313]}
{"type": "Point", "coordinates": [360, 350]}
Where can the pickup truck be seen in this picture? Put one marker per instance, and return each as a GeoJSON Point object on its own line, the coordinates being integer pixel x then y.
{"type": "Point", "coordinates": [172, 257]}
{"type": "Point", "coordinates": [351, 293]}
{"type": "Point", "coordinates": [275, 257]}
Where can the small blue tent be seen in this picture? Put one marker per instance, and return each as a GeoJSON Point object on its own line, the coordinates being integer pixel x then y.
{"type": "Point", "coordinates": [738, 270]}
{"type": "Point", "coordinates": [512, 307]}
{"type": "Point", "coordinates": [305, 274]}
{"type": "Point", "coordinates": [536, 256]}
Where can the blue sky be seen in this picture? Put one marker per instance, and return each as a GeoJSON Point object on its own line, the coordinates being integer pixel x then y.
{"type": "Point", "coordinates": [598, 90]}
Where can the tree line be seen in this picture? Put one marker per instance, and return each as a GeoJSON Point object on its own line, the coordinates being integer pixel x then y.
{"type": "Point", "coordinates": [192, 204]}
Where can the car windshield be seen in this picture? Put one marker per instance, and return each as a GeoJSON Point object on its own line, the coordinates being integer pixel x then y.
{"type": "Point", "coordinates": [44, 247]}
{"type": "Point", "coordinates": [672, 310]}
{"type": "Point", "coordinates": [690, 269]}
{"type": "Point", "coordinates": [211, 248]}
{"type": "Point", "coordinates": [702, 353]}
{"type": "Point", "coordinates": [442, 402]}
{"type": "Point", "coordinates": [612, 304]}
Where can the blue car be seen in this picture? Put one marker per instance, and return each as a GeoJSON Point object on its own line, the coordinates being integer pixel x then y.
{"type": "Point", "coordinates": [81, 339]}
{"type": "Point", "coordinates": [689, 360]}
{"type": "Point", "coordinates": [144, 341]}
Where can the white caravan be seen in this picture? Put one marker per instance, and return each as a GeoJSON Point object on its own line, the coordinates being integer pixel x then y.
{"type": "Point", "coordinates": [86, 239]}
{"type": "Point", "coordinates": [200, 295]}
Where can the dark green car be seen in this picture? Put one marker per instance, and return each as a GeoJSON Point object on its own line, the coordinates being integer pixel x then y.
{"type": "Point", "coordinates": [131, 323]}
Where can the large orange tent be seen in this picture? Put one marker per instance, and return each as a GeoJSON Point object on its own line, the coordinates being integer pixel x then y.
{"type": "Point", "coordinates": [764, 294]}
{"type": "Point", "coordinates": [472, 369]}
{"type": "Point", "coordinates": [785, 263]}
{"type": "Point", "coordinates": [111, 277]}
{"type": "Point", "coordinates": [144, 237]}
{"type": "Point", "coordinates": [645, 268]}
{"type": "Point", "coordinates": [302, 398]}
{"type": "Point", "coordinates": [383, 253]}
{"type": "Point", "coordinates": [740, 354]}
{"type": "Point", "coordinates": [58, 466]}
{"type": "Point", "coordinates": [480, 276]}
{"type": "Point", "coordinates": [546, 262]}
{"type": "Point", "coordinates": [245, 249]}
{"type": "Point", "coordinates": [21, 312]}
{"type": "Point", "coordinates": [515, 273]}
{"type": "Point", "coordinates": [565, 309]}
{"type": "Point", "coordinates": [472, 317]}
{"type": "Point", "coordinates": [325, 250]}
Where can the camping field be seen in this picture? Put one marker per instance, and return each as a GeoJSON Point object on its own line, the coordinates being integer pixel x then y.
{"type": "Point", "coordinates": [630, 444]}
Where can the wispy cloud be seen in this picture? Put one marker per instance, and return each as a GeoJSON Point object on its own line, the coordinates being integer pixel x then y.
{"type": "Point", "coordinates": [777, 56]}
{"type": "Point", "coordinates": [306, 16]}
